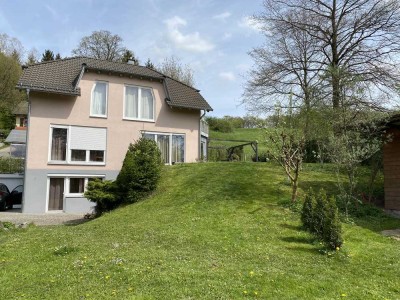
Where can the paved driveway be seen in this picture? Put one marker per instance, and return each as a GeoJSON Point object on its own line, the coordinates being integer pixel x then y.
{"type": "Point", "coordinates": [15, 216]}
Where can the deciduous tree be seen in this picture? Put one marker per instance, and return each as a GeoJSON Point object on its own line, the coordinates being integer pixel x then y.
{"type": "Point", "coordinates": [359, 41]}
{"type": "Point", "coordinates": [102, 45]}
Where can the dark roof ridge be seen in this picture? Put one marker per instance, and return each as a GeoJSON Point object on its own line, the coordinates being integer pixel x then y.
{"type": "Point", "coordinates": [49, 61]}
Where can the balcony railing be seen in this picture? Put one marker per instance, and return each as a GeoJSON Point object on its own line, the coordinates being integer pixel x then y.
{"type": "Point", "coordinates": [204, 127]}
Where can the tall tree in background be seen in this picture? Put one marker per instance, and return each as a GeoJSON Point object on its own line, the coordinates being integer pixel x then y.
{"type": "Point", "coordinates": [10, 71]}
{"type": "Point", "coordinates": [102, 45]}
{"type": "Point", "coordinates": [287, 71]}
{"type": "Point", "coordinates": [58, 56]}
{"type": "Point", "coordinates": [32, 57]}
{"type": "Point", "coordinates": [172, 67]}
{"type": "Point", "coordinates": [130, 56]}
{"type": "Point", "coordinates": [47, 55]}
{"type": "Point", "coordinates": [149, 64]}
{"type": "Point", "coordinates": [359, 40]}
{"type": "Point", "coordinates": [11, 47]}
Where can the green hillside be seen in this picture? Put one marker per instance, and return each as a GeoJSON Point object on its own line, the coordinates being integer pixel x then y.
{"type": "Point", "coordinates": [211, 231]}
{"type": "Point", "coordinates": [245, 134]}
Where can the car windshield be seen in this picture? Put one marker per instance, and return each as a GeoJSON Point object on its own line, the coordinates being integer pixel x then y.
{"type": "Point", "coordinates": [18, 189]}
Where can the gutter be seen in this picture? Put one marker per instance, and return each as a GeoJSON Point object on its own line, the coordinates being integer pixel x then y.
{"type": "Point", "coordinates": [26, 150]}
{"type": "Point", "coordinates": [201, 117]}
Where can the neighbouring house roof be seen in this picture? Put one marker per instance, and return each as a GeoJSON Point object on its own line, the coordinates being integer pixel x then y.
{"type": "Point", "coordinates": [21, 109]}
{"type": "Point", "coordinates": [62, 77]}
{"type": "Point", "coordinates": [394, 121]}
{"type": "Point", "coordinates": [17, 137]}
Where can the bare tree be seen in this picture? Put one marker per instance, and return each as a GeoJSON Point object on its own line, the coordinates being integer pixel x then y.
{"type": "Point", "coordinates": [288, 151]}
{"type": "Point", "coordinates": [102, 45]}
{"type": "Point", "coordinates": [172, 67]}
{"type": "Point", "coordinates": [287, 72]}
{"type": "Point", "coordinates": [32, 57]}
{"type": "Point", "coordinates": [359, 39]}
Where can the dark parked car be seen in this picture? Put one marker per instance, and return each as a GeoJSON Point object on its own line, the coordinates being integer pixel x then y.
{"type": "Point", "coordinates": [7, 199]}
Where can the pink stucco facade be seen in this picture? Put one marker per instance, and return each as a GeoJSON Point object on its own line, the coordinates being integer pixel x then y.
{"type": "Point", "coordinates": [57, 185]}
{"type": "Point", "coordinates": [52, 109]}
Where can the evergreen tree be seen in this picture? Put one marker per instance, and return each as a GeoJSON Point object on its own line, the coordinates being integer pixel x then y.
{"type": "Point", "coordinates": [48, 55]}
{"type": "Point", "coordinates": [58, 56]}
{"type": "Point", "coordinates": [149, 64]}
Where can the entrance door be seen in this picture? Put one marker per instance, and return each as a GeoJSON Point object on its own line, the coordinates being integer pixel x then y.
{"type": "Point", "coordinates": [56, 194]}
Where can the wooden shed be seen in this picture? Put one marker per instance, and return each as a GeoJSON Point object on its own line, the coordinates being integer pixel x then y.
{"type": "Point", "coordinates": [391, 165]}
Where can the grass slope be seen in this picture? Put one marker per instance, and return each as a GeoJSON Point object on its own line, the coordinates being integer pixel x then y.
{"type": "Point", "coordinates": [212, 231]}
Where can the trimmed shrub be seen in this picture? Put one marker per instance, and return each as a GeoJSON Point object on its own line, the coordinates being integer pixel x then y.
{"type": "Point", "coordinates": [321, 217]}
{"type": "Point", "coordinates": [332, 230]}
{"type": "Point", "coordinates": [307, 213]}
{"type": "Point", "coordinates": [140, 172]}
{"type": "Point", "coordinates": [103, 194]}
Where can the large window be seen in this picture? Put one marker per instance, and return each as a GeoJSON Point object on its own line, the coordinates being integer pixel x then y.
{"type": "Point", "coordinates": [78, 145]}
{"type": "Point", "coordinates": [98, 106]}
{"type": "Point", "coordinates": [138, 103]}
{"type": "Point", "coordinates": [172, 146]}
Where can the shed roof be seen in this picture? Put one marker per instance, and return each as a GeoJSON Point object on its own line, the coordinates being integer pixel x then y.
{"type": "Point", "coordinates": [62, 77]}
{"type": "Point", "coordinates": [17, 137]}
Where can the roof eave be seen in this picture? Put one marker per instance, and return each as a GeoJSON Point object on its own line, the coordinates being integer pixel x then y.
{"type": "Point", "coordinates": [76, 92]}
{"type": "Point", "coordinates": [208, 109]}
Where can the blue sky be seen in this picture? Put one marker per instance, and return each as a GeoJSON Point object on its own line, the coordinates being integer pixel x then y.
{"type": "Point", "coordinates": [212, 36]}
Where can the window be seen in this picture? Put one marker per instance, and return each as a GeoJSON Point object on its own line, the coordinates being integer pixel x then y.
{"type": "Point", "coordinates": [78, 145]}
{"type": "Point", "coordinates": [138, 103]}
{"type": "Point", "coordinates": [59, 144]}
{"type": "Point", "coordinates": [98, 106]}
{"type": "Point", "coordinates": [76, 185]}
{"type": "Point", "coordinates": [172, 146]}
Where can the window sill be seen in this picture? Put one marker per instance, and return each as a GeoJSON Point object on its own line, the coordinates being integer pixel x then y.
{"type": "Point", "coordinates": [98, 116]}
{"type": "Point", "coordinates": [139, 120]}
{"type": "Point", "coordinates": [76, 163]}
{"type": "Point", "coordinates": [77, 195]}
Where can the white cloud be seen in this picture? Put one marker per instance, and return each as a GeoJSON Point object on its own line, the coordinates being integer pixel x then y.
{"type": "Point", "coordinates": [191, 42]}
{"type": "Point", "coordinates": [222, 16]}
{"type": "Point", "coordinates": [227, 76]}
{"type": "Point", "coordinates": [248, 22]}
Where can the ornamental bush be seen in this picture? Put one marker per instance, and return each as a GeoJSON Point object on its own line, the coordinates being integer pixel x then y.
{"type": "Point", "coordinates": [103, 194]}
{"type": "Point", "coordinates": [321, 217]}
{"type": "Point", "coordinates": [307, 217]}
{"type": "Point", "coordinates": [140, 172]}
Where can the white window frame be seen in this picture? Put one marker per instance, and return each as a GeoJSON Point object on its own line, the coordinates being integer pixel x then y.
{"type": "Point", "coordinates": [139, 118]}
{"type": "Point", "coordinates": [170, 134]}
{"type": "Point", "coordinates": [91, 100]}
{"type": "Point", "coordinates": [67, 194]}
{"type": "Point", "coordinates": [68, 160]}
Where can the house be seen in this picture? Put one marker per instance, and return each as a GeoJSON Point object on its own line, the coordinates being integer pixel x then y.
{"type": "Point", "coordinates": [84, 112]}
{"type": "Point", "coordinates": [391, 165]}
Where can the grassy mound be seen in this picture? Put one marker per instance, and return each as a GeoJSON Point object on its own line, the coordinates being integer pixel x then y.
{"type": "Point", "coordinates": [211, 231]}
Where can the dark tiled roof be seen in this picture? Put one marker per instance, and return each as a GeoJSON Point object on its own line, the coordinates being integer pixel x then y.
{"type": "Point", "coordinates": [16, 136]}
{"type": "Point", "coordinates": [62, 76]}
{"type": "Point", "coordinates": [21, 108]}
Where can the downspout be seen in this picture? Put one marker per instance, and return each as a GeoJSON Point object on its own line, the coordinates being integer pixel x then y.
{"type": "Point", "coordinates": [201, 117]}
{"type": "Point", "coordinates": [26, 149]}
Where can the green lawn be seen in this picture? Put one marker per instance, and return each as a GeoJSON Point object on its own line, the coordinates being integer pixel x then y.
{"type": "Point", "coordinates": [245, 134]}
{"type": "Point", "coordinates": [211, 231]}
